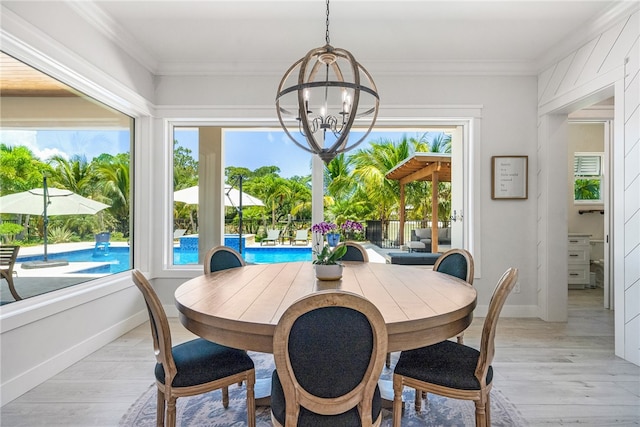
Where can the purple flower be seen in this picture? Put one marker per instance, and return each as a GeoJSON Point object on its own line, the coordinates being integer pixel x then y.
{"type": "Point", "coordinates": [324, 227]}
{"type": "Point", "coordinates": [349, 225]}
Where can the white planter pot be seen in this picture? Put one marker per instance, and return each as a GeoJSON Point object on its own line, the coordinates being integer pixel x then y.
{"type": "Point", "coordinates": [328, 272]}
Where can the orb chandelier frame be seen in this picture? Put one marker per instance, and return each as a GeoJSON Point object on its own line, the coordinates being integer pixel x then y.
{"type": "Point", "coordinates": [326, 92]}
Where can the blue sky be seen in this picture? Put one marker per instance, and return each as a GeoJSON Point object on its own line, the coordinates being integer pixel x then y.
{"type": "Point", "coordinates": [250, 149]}
{"type": "Point", "coordinates": [47, 143]}
{"type": "Point", "coordinates": [253, 149]}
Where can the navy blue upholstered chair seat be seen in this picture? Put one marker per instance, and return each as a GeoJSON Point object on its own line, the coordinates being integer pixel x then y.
{"type": "Point", "coordinates": [452, 369]}
{"type": "Point", "coordinates": [194, 365]}
{"type": "Point", "coordinates": [329, 350]}
{"type": "Point", "coordinates": [447, 364]}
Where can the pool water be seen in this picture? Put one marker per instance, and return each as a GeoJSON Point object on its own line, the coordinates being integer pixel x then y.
{"type": "Point", "coordinates": [117, 259]}
{"type": "Point", "coordinates": [252, 255]}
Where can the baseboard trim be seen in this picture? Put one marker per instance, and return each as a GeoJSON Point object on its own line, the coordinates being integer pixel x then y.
{"type": "Point", "coordinates": [35, 376]}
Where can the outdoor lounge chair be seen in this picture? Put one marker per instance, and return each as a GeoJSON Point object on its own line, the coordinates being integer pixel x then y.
{"type": "Point", "coordinates": [301, 236]}
{"type": "Point", "coordinates": [272, 236]}
{"type": "Point", "coordinates": [102, 244]}
{"type": "Point", "coordinates": [178, 233]}
{"type": "Point", "coordinates": [8, 256]}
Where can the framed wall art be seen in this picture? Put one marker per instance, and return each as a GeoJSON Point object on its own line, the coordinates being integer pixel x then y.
{"type": "Point", "coordinates": [509, 177]}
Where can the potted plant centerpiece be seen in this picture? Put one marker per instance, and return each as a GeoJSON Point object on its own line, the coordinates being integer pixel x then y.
{"type": "Point", "coordinates": [327, 263]}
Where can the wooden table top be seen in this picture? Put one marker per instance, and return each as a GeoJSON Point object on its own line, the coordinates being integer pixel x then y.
{"type": "Point", "coordinates": [240, 307]}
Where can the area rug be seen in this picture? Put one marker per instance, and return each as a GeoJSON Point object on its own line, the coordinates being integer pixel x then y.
{"type": "Point", "coordinates": [206, 410]}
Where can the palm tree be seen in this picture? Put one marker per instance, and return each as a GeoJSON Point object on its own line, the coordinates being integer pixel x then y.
{"type": "Point", "coordinates": [75, 174]}
{"type": "Point", "coordinates": [114, 177]}
{"type": "Point", "coordinates": [370, 168]}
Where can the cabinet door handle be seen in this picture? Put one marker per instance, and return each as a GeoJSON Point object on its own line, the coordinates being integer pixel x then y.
{"type": "Point", "coordinates": [573, 274]}
{"type": "Point", "coordinates": [573, 255]}
{"type": "Point", "coordinates": [573, 241]}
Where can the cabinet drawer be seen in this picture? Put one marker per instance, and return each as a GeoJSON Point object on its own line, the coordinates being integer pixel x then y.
{"type": "Point", "coordinates": [579, 275]}
{"type": "Point", "coordinates": [578, 256]}
{"type": "Point", "coordinates": [580, 240]}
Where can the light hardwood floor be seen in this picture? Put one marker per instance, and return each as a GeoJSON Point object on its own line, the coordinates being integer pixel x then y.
{"type": "Point", "coordinates": [555, 373]}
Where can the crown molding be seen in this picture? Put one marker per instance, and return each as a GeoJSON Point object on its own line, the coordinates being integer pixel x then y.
{"type": "Point", "coordinates": [376, 67]}
{"type": "Point", "coordinates": [115, 32]}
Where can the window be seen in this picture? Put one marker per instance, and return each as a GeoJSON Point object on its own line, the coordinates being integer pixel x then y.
{"type": "Point", "coordinates": [50, 130]}
{"type": "Point", "coordinates": [588, 178]}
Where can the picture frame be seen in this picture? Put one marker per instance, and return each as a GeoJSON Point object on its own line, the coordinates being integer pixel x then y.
{"type": "Point", "coordinates": [509, 177]}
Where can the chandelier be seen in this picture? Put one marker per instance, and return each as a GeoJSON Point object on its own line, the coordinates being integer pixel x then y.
{"type": "Point", "coordinates": [327, 92]}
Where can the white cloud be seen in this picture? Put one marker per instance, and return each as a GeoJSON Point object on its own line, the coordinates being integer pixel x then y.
{"type": "Point", "coordinates": [28, 138]}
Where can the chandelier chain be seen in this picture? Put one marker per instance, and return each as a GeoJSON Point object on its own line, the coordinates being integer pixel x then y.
{"type": "Point", "coordinates": [326, 37]}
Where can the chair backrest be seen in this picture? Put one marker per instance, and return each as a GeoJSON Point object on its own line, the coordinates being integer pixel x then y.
{"type": "Point", "coordinates": [159, 326]}
{"type": "Point", "coordinates": [487, 340]}
{"type": "Point", "coordinates": [457, 263]}
{"type": "Point", "coordinates": [103, 237]}
{"type": "Point", "coordinates": [179, 232]}
{"type": "Point", "coordinates": [8, 256]}
{"type": "Point", "coordinates": [273, 234]}
{"type": "Point", "coordinates": [302, 235]}
{"type": "Point", "coordinates": [355, 252]}
{"type": "Point", "coordinates": [329, 350]}
{"type": "Point", "coordinates": [222, 258]}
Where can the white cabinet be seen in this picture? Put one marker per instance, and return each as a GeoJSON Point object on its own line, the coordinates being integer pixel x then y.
{"type": "Point", "coordinates": [578, 260]}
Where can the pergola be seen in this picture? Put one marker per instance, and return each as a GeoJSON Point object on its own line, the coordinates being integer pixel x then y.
{"type": "Point", "coordinates": [434, 167]}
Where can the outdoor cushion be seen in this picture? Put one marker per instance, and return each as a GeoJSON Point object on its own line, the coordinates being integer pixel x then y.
{"type": "Point", "coordinates": [423, 233]}
{"type": "Point", "coordinates": [412, 258]}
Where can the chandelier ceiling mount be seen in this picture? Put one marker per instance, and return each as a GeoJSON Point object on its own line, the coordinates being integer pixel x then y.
{"type": "Point", "coordinates": [327, 92]}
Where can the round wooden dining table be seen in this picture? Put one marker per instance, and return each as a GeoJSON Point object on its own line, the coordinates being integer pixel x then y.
{"type": "Point", "coordinates": [240, 307]}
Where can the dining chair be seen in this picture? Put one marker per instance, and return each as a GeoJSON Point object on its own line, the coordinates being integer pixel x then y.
{"type": "Point", "coordinates": [355, 252]}
{"type": "Point", "coordinates": [329, 351]}
{"type": "Point", "coordinates": [8, 257]}
{"type": "Point", "coordinates": [455, 370]}
{"type": "Point", "coordinates": [194, 367]}
{"type": "Point", "coordinates": [457, 263]}
{"type": "Point", "coordinates": [222, 258]}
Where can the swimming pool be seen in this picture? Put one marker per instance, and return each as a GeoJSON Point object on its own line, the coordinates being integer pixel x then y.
{"type": "Point", "coordinates": [117, 260]}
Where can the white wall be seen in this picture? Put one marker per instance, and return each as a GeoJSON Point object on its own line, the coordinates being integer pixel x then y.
{"type": "Point", "coordinates": [41, 336]}
{"type": "Point", "coordinates": [606, 65]}
{"type": "Point", "coordinates": [507, 106]}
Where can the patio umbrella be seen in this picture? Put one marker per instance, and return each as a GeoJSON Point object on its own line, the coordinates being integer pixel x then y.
{"type": "Point", "coordinates": [231, 199]}
{"type": "Point", "coordinates": [49, 202]}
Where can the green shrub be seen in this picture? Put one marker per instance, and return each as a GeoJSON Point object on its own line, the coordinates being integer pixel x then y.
{"type": "Point", "coordinates": [9, 229]}
{"type": "Point", "coordinates": [59, 235]}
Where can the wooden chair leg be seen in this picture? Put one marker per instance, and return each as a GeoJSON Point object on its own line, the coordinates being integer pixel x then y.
{"type": "Point", "coordinates": [397, 400]}
{"type": "Point", "coordinates": [387, 362]}
{"type": "Point", "coordinates": [251, 403]}
{"type": "Point", "coordinates": [461, 338]}
{"type": "Point", "coordinates": [160, 408]}
{"type": "Point", "coordinates": [171, 412]}
{"type": "Point", "coordinates": [225, 397]}
{"type": "Point", "coordinates": [418, 400]}
{"type": "Point", "coordinates": [481, 416]}
{"type": "Point", "coordinates": [12, 287]}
